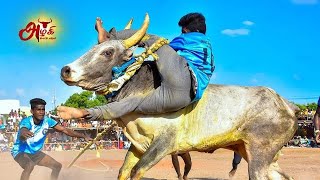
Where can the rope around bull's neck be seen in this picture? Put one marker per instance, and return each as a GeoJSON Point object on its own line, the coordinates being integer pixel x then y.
{"type": "Point", "coordinates": [117, 84]}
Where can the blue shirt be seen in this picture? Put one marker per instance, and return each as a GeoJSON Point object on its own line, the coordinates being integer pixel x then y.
{"type": "Point", "coordinates": [196, 48]}
{"type": "Point", "coordinates": [35, 143]}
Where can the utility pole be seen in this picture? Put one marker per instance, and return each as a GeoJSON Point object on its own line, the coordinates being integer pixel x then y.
{"type": "Point", "coordinates": [54, 99]}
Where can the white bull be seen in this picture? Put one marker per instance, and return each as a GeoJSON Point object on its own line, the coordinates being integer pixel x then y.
{"type": "Point", "coordinates": [253, 121]}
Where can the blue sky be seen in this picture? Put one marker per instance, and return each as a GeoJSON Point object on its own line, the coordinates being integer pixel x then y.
{"type": "Point", "coordinates": [272, 43]}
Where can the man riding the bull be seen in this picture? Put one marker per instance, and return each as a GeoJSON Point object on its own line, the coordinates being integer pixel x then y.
{"type": "Point", "coordinates": [183, 80]}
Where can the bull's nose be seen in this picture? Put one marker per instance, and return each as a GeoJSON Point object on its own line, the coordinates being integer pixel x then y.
{"type": "Point", "coordinates": [66, 72]}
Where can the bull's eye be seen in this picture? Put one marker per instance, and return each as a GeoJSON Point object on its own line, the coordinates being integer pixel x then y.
{"type": "Point", "coordinates": [108, 52]}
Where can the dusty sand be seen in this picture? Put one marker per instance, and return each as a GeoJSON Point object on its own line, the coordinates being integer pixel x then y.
{"type": "Point", "coordinates": [300, 163]}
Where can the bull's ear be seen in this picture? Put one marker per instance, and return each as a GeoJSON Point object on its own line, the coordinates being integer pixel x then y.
{"type": "Point", "coordinates": [113, 30]}
{"type": "Point", "coordinates": [127, 54]}
{"type": "Point", "coordinates": [113, 33]}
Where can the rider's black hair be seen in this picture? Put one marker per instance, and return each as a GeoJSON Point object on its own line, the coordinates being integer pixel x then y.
{"type": "Point", "coordinates": [194, 22]}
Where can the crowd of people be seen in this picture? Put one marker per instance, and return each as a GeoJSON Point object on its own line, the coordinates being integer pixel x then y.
{"type": "Point", "coordinates": [57, 141]}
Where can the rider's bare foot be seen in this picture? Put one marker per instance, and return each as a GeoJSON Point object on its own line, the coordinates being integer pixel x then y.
{"type": "Point", "coordinates": [185, 178]}
{"type": "Point", "coordinates": [141, 144]}
{"type": "Point", "coordinates": [102, 33]}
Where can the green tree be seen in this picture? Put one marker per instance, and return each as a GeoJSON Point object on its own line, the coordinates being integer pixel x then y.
{"type": "Point", "coordinates": [85, 99]}
{"type": "Point", "coordinates": [309, 106]}
{"type": "Point", "coordinates": [302, 107]}
{"type": "Point", "coordinates": [312, 106]}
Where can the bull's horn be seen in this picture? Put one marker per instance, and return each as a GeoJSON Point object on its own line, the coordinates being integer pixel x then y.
{"type": "Point", "coordinates": [128, 26]}
{"type": "Point", "coordinates": [134, 39]}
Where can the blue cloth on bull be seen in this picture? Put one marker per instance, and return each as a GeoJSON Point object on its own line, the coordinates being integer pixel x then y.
{"type": "Point", "coordinates": [35, 143]}
{"type": "Point", "coordinates": [118, 71]}
{"type": "Point", "coordinates": [196, 48]}
{"type": "Point", "coordinates": [319, 101]}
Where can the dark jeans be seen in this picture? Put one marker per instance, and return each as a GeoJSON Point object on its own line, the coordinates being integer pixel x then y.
{"type": "Point", "coordinates": [236, 160]}
{"type": "Point", "coordinates": [173, 94]}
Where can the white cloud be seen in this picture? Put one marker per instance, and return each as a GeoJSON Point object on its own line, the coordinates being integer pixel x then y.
{"type": "Point", "coordinates": [53, 69]}
{"type": "Point", "coordinates": [75, 90]}
{"type": "Point", "coordinates": [296, 77]}
{"type": "Point", "coordinates": [236, 32]}
{"type": "Point", "coordinates": [257, 78]}
{"type": "Point", "coordinates": [20, 92]}
{"type": "Point", "coordinates": [3, 92]}
{"type": "Point", "coordinates": [305, 2]}
{"type": "Point", "coordinates": [248, 23]}
{"type": "Point", "coordinates": [254, 80]}
{"type": "Point", "coordinates": [214, 76]}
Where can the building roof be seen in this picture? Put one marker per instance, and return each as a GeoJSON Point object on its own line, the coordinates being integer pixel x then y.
{"type": "Point", "coordinates": [7, 104]}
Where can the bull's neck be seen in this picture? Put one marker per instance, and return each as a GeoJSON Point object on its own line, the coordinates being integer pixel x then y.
{"type": "Point", "coordinates": [116, 84]}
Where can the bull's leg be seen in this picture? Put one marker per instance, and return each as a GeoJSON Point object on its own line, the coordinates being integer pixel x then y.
{"type": "Point", "coordinates": [262, 162]}
{"type": "Point", "coordinates": [148, 160]}
{"type": "Point", "coordinates": [132, 157]}
{"type": "Point", "coordinates": [259, 158]}
{"type": "Point", "coordinates": [275, 172]}
{"type": "Point", "coordinates": [159, 148]}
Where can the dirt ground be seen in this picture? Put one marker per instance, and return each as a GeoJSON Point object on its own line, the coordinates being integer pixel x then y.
{"type": "Point", "coordinates": [300, 163]}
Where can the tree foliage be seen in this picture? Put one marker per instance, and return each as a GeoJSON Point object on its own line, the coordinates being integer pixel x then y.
{"type": "Point", "coordinates": [85, 99]}
{"type": "Point", "coordinates": [310, 106]}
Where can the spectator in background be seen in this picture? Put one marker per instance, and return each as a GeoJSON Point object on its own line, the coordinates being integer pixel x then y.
{"type": "Point", "coordinates": [187, 167]}
{"type": "Point", "coordinates": [316, 121]}
{"type": "Point", "coordinates": [235, 162]}
{"type": "Point", "coordinates": [11, 113]}
{"type": "Point", "coordinates": [2, 126]}
{"type": "Point", "coordinates": [312, 143]}
{"type": "Point", "coordinates": [15, 114]}
{"type": "Point", "coordinates": [304, 141]}
{"type": "Point", "coordinates": [3, 139]}
{"type": "Point", "coordinates": [23, 115]}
